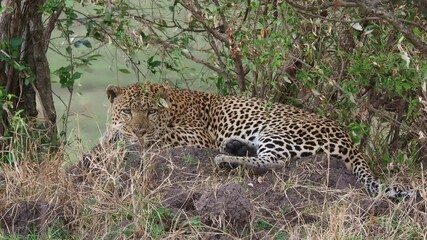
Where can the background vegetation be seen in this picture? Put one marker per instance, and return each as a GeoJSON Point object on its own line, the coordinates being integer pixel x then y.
{"type": "Point", "coordinates": [362, 63]}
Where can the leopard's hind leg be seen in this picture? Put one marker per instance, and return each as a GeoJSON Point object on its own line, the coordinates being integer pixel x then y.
{"type": "Point", "coordinates": [237, 146]}
{"type": "Point", "coordinates": [259, 157]}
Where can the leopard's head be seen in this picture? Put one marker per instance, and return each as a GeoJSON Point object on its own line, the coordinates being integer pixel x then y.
{"type": "Point", "coordinates": [139, 111]}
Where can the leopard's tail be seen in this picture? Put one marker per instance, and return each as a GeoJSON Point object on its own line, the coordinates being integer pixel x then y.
{"type": "Point", "coordinates": [374, 186]}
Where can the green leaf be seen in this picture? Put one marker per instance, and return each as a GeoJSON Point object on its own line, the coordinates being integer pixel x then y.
{"type": "Point", "coordinates": [68, 32]}
{"type": "Point", "coordinates": [263, 225]}
{"type": "Point", "coordinates": [20, 67]}
{"type": "Point", "coordinates": [108, 18]}
{"type": "Point", "coordinates": [15, 43]}
{"type": "Point", "coordinates": [83, 42]}
{"type": "Point", "coordinates": [406, 85]}
{"type": "Point", "coordinates": [29, 79]}
{"type": "Point", "coordinates": [145, 37]}
{"type": "Point", "coordinates": [76, 76]}
{"type": "Point", "coordinates": [124, 70]}
{"type": "Point", "coordinates": [153, 64]}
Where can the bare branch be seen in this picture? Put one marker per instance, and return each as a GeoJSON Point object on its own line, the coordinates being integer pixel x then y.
{"type": "Point", "coordinates": [197, 15]}
{"type": "Point", "coordinates": [51, 25]}
{"type": "Point", "coordinates": [326, 5]}
{"type": "Point", "coordinates": [216, 51]}
{"type": "Point", "coordinates": [191, 57]}
{"type": "Point", "coordinates": [380, 11]}
{"type": "Point", "coordinates": [374, 7]}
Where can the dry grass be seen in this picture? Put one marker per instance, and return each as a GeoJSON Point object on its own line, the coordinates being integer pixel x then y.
{"type": "Point", "coordinates": [113, 197]}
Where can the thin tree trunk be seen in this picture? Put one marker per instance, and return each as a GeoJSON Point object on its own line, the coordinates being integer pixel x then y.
{"type": "Point", "coordinates": [26, 23]}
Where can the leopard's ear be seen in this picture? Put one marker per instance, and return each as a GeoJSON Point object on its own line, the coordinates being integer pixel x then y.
{"type": "Point", "coordinates": [163, 97]}
{"type": "Point", "coordinates": [113, 91]}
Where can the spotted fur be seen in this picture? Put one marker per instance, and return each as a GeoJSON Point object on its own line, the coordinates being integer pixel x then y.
{"type": "Point", "coordinates": [157, 115]}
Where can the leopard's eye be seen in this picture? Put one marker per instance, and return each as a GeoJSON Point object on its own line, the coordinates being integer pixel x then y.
{"type": "Point", "coordinates": [127, 111]}
{"type": "Point", "coordinates": [152, 111]}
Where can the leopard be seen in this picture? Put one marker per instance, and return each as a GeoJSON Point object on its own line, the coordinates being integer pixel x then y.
{"type": "Point", "coordinates": [252, 132]}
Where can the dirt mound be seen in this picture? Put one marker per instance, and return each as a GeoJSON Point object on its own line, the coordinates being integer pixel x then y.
{"type": "Point", "coordinates": [299, 192]}
{"type": "Point", "coordinates": [29, 217]}
{"type": "Point", "coordinates": [117, 161]}
{"type": "Point", "coordinates": [226, 206]}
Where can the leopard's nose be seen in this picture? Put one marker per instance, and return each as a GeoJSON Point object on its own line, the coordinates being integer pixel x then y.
{"type": "Point", "coordinates": [142, 132]}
